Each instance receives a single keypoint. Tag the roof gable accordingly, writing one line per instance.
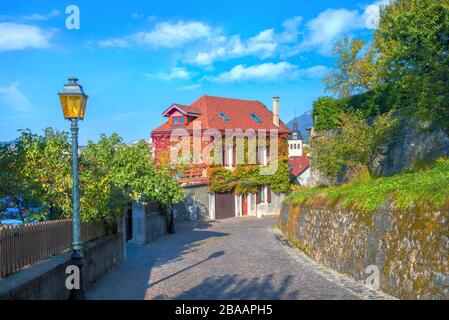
(185, 110)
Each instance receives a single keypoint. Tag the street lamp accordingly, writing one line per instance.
(73, 102)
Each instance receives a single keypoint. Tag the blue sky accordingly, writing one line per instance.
(135, 58)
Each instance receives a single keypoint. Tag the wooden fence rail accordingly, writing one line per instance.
(26, 244)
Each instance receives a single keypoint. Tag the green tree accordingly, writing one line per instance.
(355, 68)
(113, 173)
(326, 112)
(45, 166)
(412, 43)
(354, 144)
(11, 185)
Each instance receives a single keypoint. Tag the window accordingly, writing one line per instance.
(229, 157)
(223, 116)
(255, 118)
(262, 194)
(263, 156)
(178, 120)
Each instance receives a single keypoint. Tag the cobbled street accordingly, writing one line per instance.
(236, 258)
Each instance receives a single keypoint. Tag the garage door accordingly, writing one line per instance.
(224, 205)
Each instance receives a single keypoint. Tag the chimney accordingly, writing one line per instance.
(276, 111)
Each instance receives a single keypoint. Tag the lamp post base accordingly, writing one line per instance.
(77, 260)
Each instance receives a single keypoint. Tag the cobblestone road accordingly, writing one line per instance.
(237, 258)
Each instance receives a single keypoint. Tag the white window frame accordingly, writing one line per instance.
(263, 156)
(212, 206)
(229, 156)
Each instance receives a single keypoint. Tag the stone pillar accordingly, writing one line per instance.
(138, 223)
(121, 228)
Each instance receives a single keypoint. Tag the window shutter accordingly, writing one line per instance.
(268, 194)
(258, 196)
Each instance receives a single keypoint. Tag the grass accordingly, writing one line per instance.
(426, 189)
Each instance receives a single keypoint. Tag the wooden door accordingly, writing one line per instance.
(224, 205)
(244, 204)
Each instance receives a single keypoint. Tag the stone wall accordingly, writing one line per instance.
(148, 222)
(195, 206)
(45, 280)
(410, 248)
(410, 148)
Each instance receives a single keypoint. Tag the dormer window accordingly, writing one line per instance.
(177, 120)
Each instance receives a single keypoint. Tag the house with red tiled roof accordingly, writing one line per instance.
(298, 162)
(299, 170)
(218, 115)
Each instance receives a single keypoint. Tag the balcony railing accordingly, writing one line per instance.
(192, 173)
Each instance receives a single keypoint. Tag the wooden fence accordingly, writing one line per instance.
(24, 245)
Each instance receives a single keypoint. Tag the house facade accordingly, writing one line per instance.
(212, 119)
(298, 162)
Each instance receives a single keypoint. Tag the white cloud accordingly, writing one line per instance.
(175, 73)
(12, 99)
(268, 72)
(42, 17)
(259, 72)
(191, 87)
(327, 27)
(315, 72)
(115, 42)
(331, 24)
(14, 36)
(265, 44)
(371, 14)
(208, 44)
(164, 35)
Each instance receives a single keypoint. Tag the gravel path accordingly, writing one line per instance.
(237, 258)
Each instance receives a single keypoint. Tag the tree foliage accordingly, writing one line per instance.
(405, 68)
(412, 43)
(111, 174)
(44, 163)
(355, 143)
(354, 71)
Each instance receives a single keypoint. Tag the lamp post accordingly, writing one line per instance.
(73, 102)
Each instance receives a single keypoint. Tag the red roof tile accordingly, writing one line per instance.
(238, 112)
(298, 165)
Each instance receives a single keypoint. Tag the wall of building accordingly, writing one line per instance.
(195, 206)
(295, 148)
(304, 179)
(409, 248)
(272, 208)
(45, 280)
